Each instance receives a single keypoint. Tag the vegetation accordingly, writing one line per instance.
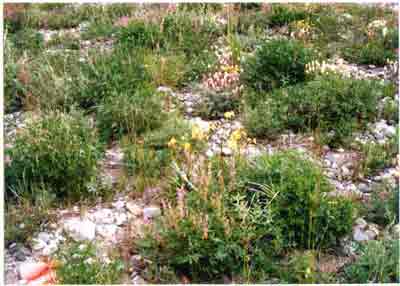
(329, 104)
(195, 109)
(276, 63)
(58, 152)
(79, 265)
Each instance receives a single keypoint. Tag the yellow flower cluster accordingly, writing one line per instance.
(229, 114)
(197, 135)
(230, 69)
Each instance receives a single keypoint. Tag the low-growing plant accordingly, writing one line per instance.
(58, 152)
(215, 104)
(146, 162)
(173, 127)
(276, 63)
(295, 190)
(376, 157)
(189, 33)
(80, 265)
(282, 15)
(206, 236)
(66, 41)
(131, 114)
(13, 87)
(166, 69)
(28, 40)
(20, 227)
(371, 53)
(140, 34)
(378, 263)
(106, 75)
(383, 206)
(329, 104)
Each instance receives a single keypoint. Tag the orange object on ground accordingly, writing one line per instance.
(38, 273)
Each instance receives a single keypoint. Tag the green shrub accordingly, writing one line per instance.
(13, 88)
(166, 69)
(106, 75)
(378, 263)
(376, 157)
(282, 15)
(58, 152)
(295, 189)
(215, 104)
(65, 41)
(172, 127)
(329, 104)
(199, 65)
(28, 40)
(371, 53)
(21, 228)
(383, 207)
(256, 21)
(79, 265)
(139, 34)
(131, 114)
(390, 111)
(206, 236)
(276, 63)
(189, 33)
(52, 82)
(146, 162)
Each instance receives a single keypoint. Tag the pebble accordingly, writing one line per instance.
(151, 212)
(80, 229)
(135, 209)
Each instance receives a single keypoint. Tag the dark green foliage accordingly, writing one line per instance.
(329, 104)
(295, 190)
(282, 15)
(58, 152)
(131, 114)
(79, 265)
(276, 63)
(215, 104)
(378, 263)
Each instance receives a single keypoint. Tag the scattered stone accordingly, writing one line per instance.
(361, 223)
(80, 229)
(360, 235)
(135, 209)
(107, 231)
(396, 231)
(226, 151)
(151, 212)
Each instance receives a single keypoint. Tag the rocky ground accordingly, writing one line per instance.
(110, 223)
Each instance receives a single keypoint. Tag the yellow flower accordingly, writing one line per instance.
(187, 147)
(172, 143)
(229, 114)
(197, 134)
(232, 144)
(236, 135)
